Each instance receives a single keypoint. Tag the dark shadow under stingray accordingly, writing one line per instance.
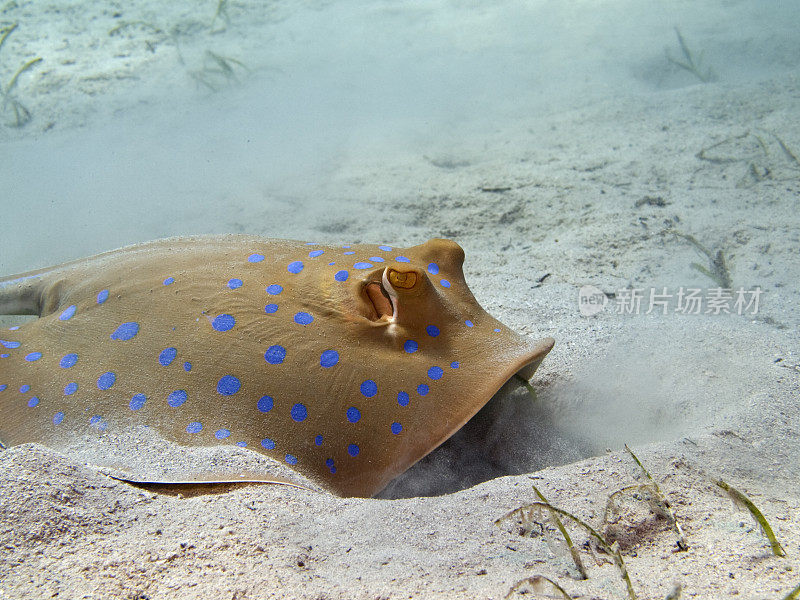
(514, 433)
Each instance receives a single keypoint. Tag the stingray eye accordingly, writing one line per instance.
(402, 280)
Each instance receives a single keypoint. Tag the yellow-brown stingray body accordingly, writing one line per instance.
(348, 380)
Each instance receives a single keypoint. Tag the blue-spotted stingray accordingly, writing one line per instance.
(346, 363)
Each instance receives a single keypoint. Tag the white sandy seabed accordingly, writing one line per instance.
(562, 148)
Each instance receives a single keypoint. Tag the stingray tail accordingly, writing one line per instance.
(22, 294)
(39, 292)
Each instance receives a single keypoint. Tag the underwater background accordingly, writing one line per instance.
(148, 119)
(579, 151)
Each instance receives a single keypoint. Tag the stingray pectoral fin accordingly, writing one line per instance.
(211, 479)
(534, 357)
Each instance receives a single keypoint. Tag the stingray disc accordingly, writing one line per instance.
(346, 363)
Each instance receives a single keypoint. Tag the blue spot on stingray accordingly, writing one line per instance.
(241, 444)
(362, 265)
(376, 258)
(291, 459)
(167, 356)
(274, 289)
(14, 328)
(303, 318)
(187, 366)
(194, 427)
(10, 345)
(349, 252)
(4, 355)
(329, 462)
(402, 259)
(106, 380)
(223, 322)
(102, 296)
(328, 358)
(68, 360)
(396, 428)
(295, 267)
(57, 418)
(268, 444)
(126, 331)
(403, 398)
(341, 275)
(423, 389)
(221, 434)
(316, 253)
(496, 330)
(299, 412)
(445, 283)
(3, 387)
(176, 398)
(433, 268)
(33, 402)
(137, 401)
(331, 263)
(318, 440)
(24, 389)
(265, 403)
(469, 323)
(275, 355)
(385, 248)
(70, 388)
(235, 283)
(454, 365)
(255, 258)
(270, 308)
(353, 414)
(432, 330)
(435, 373)
(33, 356)
(169, 280)
(353, 450)
(228, 385)
(369, 388)
(95, 420)
(68, 312)
(410, 346)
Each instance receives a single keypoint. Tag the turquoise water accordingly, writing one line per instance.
(149, 120)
